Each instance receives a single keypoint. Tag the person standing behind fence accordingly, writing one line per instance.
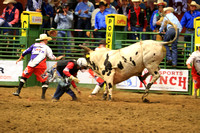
(84, 10)
(47, 12)
(34, 5)
(158, 17)
(194, 59)
(37, 63)
(100, 20)
(64, 19)
(187, 21)
(110, 8)
(149, 8)
(10, 16)
(137, 20)
(170, 34)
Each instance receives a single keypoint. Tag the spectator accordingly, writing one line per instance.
(137, 20)
(187, 21)
(19, 6)
(149, 8)
(47, 12)
(100, 22)
(68, 69)
(96, 4)
(124, 8)
(64, 21)
(158, 17)
(84, 10)
(194, 59)
(94, 13)
(119, 5)
(37, 64)
(56, 6)
(10, 16)
(170, 34)
(34, 5)
(110, 8)
(180, 6)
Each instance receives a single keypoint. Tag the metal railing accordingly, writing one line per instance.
(12, 43)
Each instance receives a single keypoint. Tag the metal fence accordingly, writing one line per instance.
(12, 44)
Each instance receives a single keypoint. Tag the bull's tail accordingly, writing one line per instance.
(176, 33)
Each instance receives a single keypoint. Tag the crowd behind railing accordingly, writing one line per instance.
(142, 16)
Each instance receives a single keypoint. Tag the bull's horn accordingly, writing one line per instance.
(87, 50)
(175, 28)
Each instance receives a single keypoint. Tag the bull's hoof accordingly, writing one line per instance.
(104, 96)
(109, 98)
(146, 100)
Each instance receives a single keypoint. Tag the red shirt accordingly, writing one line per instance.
(137, 11)
(16, 17)
(69, 66)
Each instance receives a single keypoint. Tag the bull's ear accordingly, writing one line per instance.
(87, 50)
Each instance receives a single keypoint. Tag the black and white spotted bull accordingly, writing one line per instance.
(115, 66)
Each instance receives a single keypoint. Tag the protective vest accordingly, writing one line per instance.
(10, 17)
(134, 17)
(63, 63)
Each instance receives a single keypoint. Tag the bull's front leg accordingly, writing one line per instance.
(109, 84)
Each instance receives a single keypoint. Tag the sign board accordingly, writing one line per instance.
(170, 80)
(197, 31)
(109, 32)
(120, 20)
(10, 71)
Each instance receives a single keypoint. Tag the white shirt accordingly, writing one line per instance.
(195, 60)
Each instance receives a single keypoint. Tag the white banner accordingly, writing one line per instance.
(170, 80)
(10, 71)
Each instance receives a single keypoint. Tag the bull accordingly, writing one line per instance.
(115, 66)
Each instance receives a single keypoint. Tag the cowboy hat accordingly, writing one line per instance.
(55, 1)
(43, 37)
(9, 1)
(168, 9)
(193, 3)
(52, 30)
(135, 0)
(160, 3)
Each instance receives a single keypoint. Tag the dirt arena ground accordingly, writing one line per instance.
(127, 113)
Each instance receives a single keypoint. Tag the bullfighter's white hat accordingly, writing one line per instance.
(43, 37)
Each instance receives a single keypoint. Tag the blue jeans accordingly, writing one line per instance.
(170, 34)
(61, 90)
(83, 24)
(63, 34)
(4, 23)
(138, 29)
